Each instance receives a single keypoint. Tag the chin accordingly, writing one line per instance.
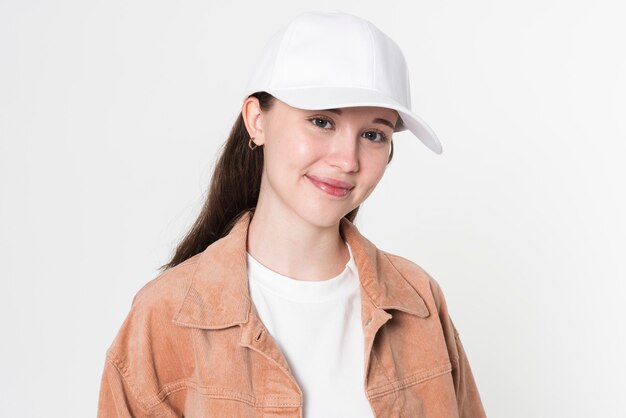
(322, 217)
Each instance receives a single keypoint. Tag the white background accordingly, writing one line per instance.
(112, 112)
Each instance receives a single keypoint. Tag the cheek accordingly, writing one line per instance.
(301, 150)
(307, 149)
(293, 153)
(375, 164)
(372, 169)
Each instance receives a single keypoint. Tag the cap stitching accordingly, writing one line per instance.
(281, 52)
(369, 30)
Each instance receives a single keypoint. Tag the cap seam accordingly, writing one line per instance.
(280, 54)
(369, 31)
(325, 85)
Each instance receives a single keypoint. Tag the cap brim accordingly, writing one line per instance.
(317, 98)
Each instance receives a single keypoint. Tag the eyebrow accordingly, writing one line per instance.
(376, 120)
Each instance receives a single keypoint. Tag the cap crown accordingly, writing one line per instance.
(332, 49)
(332, 59)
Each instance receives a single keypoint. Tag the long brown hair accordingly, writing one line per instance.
(234, 189)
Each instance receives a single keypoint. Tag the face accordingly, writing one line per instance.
(305, 150)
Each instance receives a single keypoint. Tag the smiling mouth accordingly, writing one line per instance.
(329, 189)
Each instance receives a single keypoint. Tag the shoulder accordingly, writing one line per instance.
(416, 275)
(166, 291)
(155, 304)
(139, 370)
(428, 286)
(148, 340)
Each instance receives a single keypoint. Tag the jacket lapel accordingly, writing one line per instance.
(218, 295)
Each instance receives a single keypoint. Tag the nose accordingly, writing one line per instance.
(344, 151)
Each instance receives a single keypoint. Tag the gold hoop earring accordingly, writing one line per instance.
(250, 144)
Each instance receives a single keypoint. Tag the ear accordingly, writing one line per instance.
(253, 119)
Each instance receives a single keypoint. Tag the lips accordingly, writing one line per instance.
(337, 191)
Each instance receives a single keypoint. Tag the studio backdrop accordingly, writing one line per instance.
(112, 115)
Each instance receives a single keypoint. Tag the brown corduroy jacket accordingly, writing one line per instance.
(193, 345)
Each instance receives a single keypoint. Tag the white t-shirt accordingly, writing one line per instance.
(317, 325)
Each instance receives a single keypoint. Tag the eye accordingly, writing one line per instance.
(321, 122)
(383, 137)
(320, 125)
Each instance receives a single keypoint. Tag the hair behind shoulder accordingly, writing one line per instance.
(233, 190)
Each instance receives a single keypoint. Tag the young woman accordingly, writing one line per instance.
(274, 304)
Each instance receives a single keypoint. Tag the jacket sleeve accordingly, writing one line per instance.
(116, 395)
(143, 365)
(468, 398)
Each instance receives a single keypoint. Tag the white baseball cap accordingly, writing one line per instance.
(331, 59)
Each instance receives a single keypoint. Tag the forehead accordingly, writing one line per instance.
(365, 111)
(382, 115)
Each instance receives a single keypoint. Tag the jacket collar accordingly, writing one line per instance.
(218, 295)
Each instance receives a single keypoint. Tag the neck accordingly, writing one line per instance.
(294, 247)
